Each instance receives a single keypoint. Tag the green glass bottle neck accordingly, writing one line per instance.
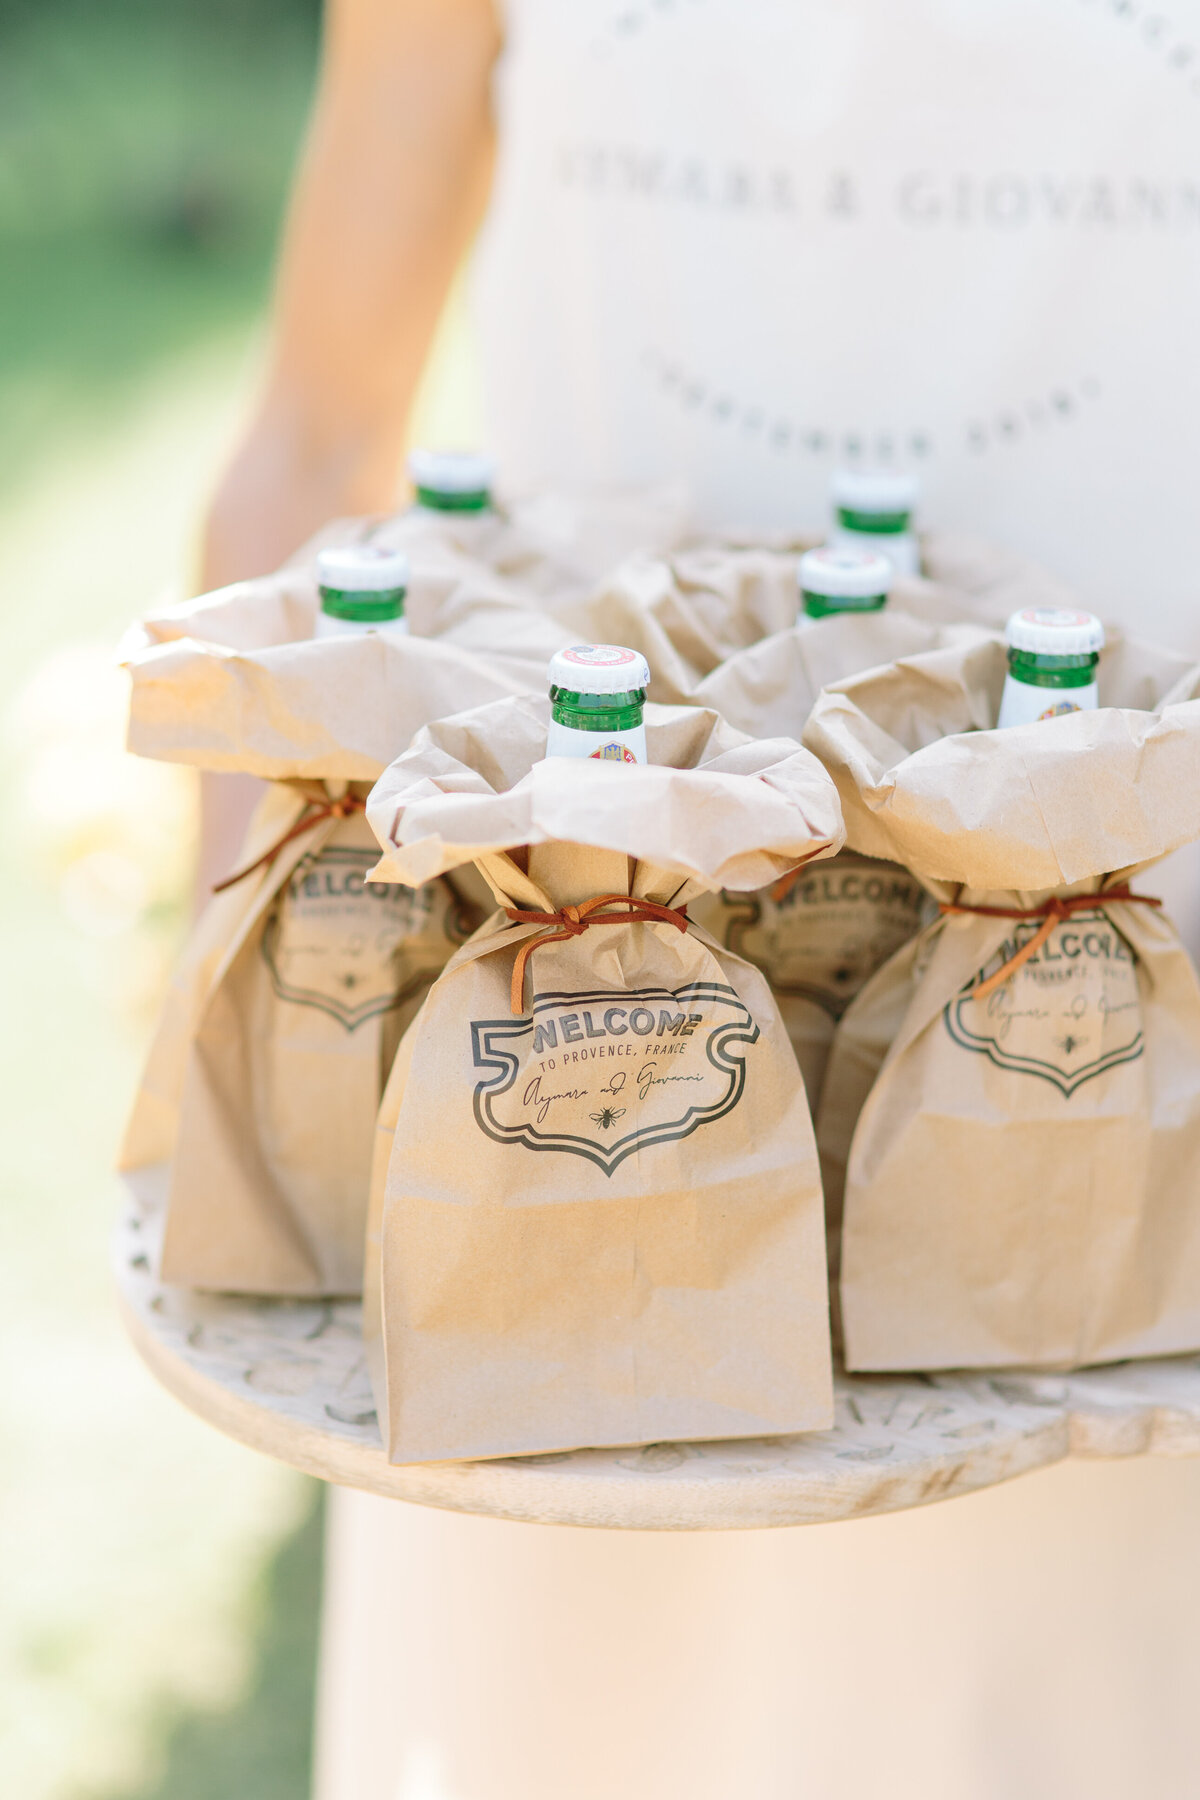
(1036, 669)
(878, 524)
(824, 606)
(597, 712)
(437, 500)
(369, 608)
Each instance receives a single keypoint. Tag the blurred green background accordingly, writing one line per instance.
(160, 1585)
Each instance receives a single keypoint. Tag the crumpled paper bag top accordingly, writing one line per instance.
(558, 540)
(987, 580)
(925, 780)
(771, 687)
(550, 544)
(689, 612)
(235, 680)
(713, 805)
(451, 596)
(330, 709)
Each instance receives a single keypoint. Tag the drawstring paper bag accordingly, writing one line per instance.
(264, 1078)
(1017, 1091)
(596, 1214)
(820, 932)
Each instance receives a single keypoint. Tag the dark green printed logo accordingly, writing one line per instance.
(829, 933)
(349, 948)
(604, 1075)
(1070, 1013)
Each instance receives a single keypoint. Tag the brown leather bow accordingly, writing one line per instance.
(314, 813)
(1051, 912)
(573, 921)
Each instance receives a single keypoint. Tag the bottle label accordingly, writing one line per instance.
(598, 746)
(1024, 703)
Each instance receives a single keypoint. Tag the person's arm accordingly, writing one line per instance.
(391, 186)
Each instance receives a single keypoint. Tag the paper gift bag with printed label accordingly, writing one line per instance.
(265, 1074)
(819, 933)
(597, 1219)
(287, 1062)
(1018, 1089)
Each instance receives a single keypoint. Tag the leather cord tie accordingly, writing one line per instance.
(1051, 912)
(573, 921)
(315, 813)
(783, 887)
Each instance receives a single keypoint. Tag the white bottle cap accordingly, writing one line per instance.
(451, 471)
(875, 490)
(1054, 631)
(845, 574)
(362, 568)
(599, 669)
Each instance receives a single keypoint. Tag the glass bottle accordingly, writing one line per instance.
(597, 693)
(452, 481)
(1052, 656)
(834, 580)
(873, 510)
(362, 588)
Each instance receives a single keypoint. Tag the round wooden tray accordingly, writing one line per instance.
(289, 1378)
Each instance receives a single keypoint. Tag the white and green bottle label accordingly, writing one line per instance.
(1045, 687)
(601, 743)
(349, 612)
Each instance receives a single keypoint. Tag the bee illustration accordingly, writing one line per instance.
(1068, 1043)
(608, 1117)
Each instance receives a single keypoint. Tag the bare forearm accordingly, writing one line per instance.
(390, 189)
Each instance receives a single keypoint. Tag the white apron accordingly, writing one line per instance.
(743, 241)
(736, 240)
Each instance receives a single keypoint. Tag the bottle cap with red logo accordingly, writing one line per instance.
(1054, 631)
(599, 669)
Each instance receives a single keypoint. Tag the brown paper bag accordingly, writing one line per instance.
(264, 1078)
(552, 543)
(286, 1062)
(689, 612)
(596, 1209)
(818, 935)
(235, 680)
(1021, 1177)
(481, 580)
(686, 614)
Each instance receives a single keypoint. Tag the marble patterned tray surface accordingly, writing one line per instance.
(289, 1378)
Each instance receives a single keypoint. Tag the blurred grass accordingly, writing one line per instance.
(254, 1749)
(160, 1585)
(144, 149)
